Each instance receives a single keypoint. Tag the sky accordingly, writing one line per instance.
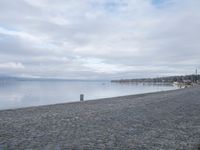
(99, 39)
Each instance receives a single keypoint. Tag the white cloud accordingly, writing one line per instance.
(115, 38)
(11, 65)
(21, 35)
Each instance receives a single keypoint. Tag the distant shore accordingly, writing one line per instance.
(162, 120)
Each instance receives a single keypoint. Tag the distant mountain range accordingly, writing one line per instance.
(169, 79)
(14, 78)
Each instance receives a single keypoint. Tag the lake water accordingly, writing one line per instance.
(17, 94)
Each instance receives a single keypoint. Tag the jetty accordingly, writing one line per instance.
(163, 120)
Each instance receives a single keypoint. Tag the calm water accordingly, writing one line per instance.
(16, 94)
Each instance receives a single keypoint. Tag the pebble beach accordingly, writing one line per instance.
(166, 120)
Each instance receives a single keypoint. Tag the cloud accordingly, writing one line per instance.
(102, 39)
(12, 65)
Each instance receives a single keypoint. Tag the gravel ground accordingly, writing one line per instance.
(155, 121)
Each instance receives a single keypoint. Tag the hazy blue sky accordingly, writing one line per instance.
(99, 39)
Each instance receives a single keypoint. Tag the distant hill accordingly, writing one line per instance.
(15, 78)
(9, 78)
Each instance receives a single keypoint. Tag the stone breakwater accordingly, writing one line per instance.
(164, 120)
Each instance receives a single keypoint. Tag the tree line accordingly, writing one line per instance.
(170, 79)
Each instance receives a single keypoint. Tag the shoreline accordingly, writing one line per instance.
(158, 120)
(98, 99)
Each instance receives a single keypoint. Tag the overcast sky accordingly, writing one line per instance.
(99, 39)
